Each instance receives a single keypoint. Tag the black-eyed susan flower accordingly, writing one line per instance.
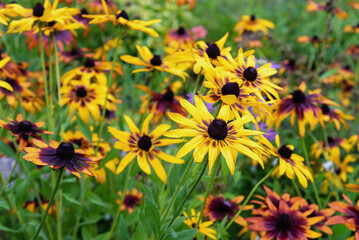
(328, 7)
(304, 107)
(23, 129)
(77, 139)
(217, 208)
(289, 163)
(131, 200)
(32, 103)
(254, 78)
(101, 52)
(74, 53)
(19, 86)
(4, 84)
(284, 222)
(350, 217)
(214, 135)
(40, 13)
(84, 98)
(92, 71)
(122, 18)
(191, 3)
(58, 155)
(334, 144)
(353, 50)
(315, 40)
(253, 24)
(143, 145)
(33, 206)
(203, 227)
(153, 62)
(351, 28)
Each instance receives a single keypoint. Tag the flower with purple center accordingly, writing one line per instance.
(131, 200)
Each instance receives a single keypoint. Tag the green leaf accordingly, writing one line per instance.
(180, 197)
(328, 73)
(69, 198)
(152, 217)
(183, 235)
(140, 232)
(6, 229)
(237, 176)
(90, 220)
(7, 150)
(97, 200)
(21, 191)
(84, 128)
(85, 233)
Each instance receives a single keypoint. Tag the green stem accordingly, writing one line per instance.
(197, 82)
(12, 171)
(310, 169)
(58, 83)
(81, 208)
(179, 186)
(205, 164)
(209, 187)
(247, 199)
(61, 171)
(47, 96)
(115, 220)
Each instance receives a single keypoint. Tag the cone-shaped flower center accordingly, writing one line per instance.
(123, 14)
(285, 151)
(25, 126)
(217, 129)
(213, 51)
(51, 24)
(315, 38)
(84, 11)
(168, 96)
(253, 17)
(130, 201)
(298, 96)
(223, 207)
(89, 63)
(156, 60)
(291, 62)
(283, 222)
(331, 141)
(65, 150)
(38, 10)
(10, 81)
(74, 51)
(231, 88)
(181, 31)
(325, 109)
(81, 92)
(250, 74)
(145, 143)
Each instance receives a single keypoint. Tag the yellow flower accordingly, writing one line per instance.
(4, 84)
(191, 221)
(122, 18)
(143, 145)
(214, 135)
(253, 24)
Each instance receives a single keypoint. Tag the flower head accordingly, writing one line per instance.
(253, 24)
(203, 227)
(131, 200)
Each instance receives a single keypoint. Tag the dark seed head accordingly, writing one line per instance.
(338, 170)
(84, 11)
(193, 225)
(123, 14)
(81, 92)
(331, 141)
(130, 201)
(156, 60)
(250, 74)
(253, 17)
(213, 51)
(298, 96)
(10, 81)
(74, 51)
(231, 88)
(25, 126)
(217, 129)
(181, 31)
(325, 109)
(38, 10)
(89, 63)
(315, 38)
(51, 24)
(145, 143)
(223, 207)
(65, 151)
(285, 152)
(168, 96)
(283, 222)
(291, 62)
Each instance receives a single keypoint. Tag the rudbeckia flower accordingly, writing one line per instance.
(132, 199)
(20, 86)
(78, 139)
(353, 50)
(32, 206)
(143, 145)
(85, 98)
(58, 155)
(32, 103)
(74, 53)
(122, 18)
(335, 115)
(92, 70)
(334, 144)
(303, 106)
(351, 28)
(4, 84)
(153, 62)
(23, 129)
(214, 135)
(289, 163)
(307, 39)
(40, 13)
(203, 227)
(253, 24)
(328, 7)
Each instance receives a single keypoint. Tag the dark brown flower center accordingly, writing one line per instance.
(84, 11)
(81, 92)
(331, 141)
(291, 62)
(168, 96)
(145, 143)
(181, 31)
(25, 126)
(315, 38)
(130, 201)
(51, 24)
(325, 109)
(156, 60)
(89, 63)
(283, 222)
(193, 225)
(74, 51)
(213, 51)
(217, 129)
(298, 96)
(123, 14)
(38, 10)
(231, 88)
(285, 151)
(65, 151)
(223, 207)
(10, 81)
(253, 17)
(250, 74)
